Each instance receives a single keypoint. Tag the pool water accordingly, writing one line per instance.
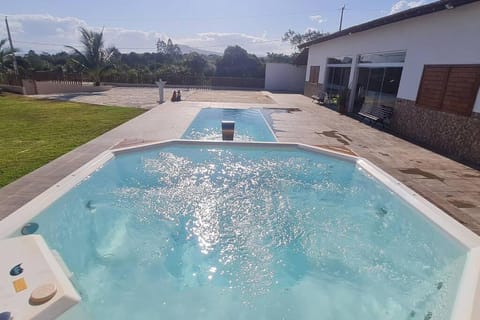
(250, 125)
(236, 232)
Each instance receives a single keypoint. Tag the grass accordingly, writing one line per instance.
(34, 132)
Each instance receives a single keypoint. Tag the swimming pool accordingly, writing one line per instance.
(250, 125)
(206, 230)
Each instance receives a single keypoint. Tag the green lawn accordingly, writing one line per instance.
(33, 132)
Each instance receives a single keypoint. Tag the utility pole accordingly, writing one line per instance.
(15, 68)
(341, 18)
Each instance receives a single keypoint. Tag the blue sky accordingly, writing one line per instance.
(212, 25)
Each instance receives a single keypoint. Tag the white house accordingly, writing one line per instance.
(424, 62)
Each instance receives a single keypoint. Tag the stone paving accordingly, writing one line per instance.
(147, 98)
(453, 187)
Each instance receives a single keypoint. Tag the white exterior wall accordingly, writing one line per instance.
(446, 37)
(284, 77)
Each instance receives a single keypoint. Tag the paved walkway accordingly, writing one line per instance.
(147, 98)
(451, 186)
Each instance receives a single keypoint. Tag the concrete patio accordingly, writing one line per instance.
(453, 187)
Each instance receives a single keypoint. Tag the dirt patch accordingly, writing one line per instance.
(343, 139)
(422, 173)
(462, 204)
(340, 149)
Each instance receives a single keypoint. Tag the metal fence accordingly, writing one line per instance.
(137, 78)
(63, 77)
(11, 79)
(204, 82)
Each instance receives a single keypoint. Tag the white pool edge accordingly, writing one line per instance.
(28, 211)
(468, 292)
(267, 124)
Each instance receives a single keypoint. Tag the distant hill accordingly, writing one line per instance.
(188, 49)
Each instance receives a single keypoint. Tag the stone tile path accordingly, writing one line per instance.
(450, 185)
(147, 98)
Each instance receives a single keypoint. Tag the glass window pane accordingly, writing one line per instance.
(382, 57)
(339, 60)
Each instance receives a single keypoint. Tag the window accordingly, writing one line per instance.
(449, 88)
(314, 74)
(377, 86)
(386, 57)
(339, 60)
(337, 79)
(337, 74)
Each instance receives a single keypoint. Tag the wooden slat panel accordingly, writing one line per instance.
(461, 90)
(430, 93)
(449, 88)
(314, 73)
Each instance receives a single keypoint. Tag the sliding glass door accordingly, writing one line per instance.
(377, 86)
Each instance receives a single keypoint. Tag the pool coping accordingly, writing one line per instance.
(469, 286)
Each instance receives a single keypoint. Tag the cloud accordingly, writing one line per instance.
(51, 34)
(317, 19)
(404, 5)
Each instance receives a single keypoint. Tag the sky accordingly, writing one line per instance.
(256, 25)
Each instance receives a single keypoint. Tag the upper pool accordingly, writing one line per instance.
(250, 125)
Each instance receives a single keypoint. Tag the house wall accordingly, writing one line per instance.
(52, 87)
(284, 77)
(445, 37)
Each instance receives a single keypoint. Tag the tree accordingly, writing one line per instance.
(278, 57)
(94, 58)
(296, 38)
(197, 64)
(169, 49)
(236, 62)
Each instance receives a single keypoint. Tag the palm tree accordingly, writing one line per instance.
(5, 56)
(94, 58)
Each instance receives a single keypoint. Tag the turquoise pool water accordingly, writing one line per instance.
(250, 125)
(235, 232)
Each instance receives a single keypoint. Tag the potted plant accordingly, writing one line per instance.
(342, 101)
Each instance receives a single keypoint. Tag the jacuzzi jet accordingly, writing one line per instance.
(382, 212)
(90, 206)
(228, 129)
(29, 228)
(439, 285)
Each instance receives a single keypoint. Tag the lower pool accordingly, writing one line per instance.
(233, 231)
(250, 125)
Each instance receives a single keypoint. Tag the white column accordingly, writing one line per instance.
(353, 83)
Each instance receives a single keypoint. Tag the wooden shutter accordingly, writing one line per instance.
(432, 86)
(461, 90)
(314, 74)
(449, 88)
